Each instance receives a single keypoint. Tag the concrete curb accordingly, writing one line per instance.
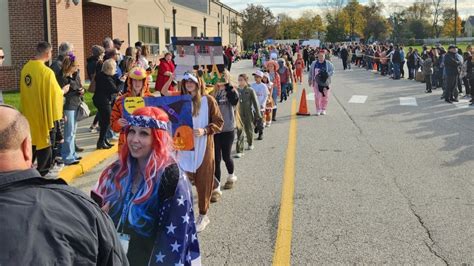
(69, 173)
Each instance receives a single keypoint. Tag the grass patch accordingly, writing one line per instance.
(13, 98)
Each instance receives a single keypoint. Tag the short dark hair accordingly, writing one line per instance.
(42, 48)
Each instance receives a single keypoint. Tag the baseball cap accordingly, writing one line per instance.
(258, 73)
(118, 41)
(451, 47)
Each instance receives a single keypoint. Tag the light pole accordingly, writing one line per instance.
(455, 20)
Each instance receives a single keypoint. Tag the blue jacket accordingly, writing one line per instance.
(329, 69)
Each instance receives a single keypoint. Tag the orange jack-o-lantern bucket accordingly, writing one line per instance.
(183, 138)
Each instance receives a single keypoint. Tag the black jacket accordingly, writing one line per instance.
(105, 88)
(46, 222)
(73, 98)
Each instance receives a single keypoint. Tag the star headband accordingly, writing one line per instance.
(146, 121)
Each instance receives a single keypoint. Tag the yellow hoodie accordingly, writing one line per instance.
(41, 101)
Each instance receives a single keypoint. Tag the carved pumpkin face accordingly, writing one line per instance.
(184, 138)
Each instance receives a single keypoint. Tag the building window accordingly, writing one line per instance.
(167, 36)
(194, 32)
(151, 36)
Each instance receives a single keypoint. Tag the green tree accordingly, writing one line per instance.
(355, 19)
(258, 23)
(335, 30)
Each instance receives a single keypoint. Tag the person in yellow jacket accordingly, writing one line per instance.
(42, 105)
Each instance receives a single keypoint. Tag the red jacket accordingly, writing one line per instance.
(161, 79)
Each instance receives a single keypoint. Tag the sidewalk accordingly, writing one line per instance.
(90, 156)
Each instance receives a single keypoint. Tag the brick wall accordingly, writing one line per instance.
(97, 24)
(120, 26)
(26, 30)
(68, 27)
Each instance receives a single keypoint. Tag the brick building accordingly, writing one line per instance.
(23, 23)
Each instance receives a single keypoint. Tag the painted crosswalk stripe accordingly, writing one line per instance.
(358, 99)
(408, 101)
(310, 96)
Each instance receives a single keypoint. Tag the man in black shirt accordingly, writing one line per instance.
(46, 222)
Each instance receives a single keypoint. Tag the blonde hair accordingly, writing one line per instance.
(246, 78)
(109, 67)
(68, 65)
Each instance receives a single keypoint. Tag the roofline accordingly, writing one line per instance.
(227, 7)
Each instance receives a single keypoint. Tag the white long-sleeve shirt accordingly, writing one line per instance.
(262, 94)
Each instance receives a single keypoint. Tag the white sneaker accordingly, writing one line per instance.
(201, 222)
(216, 194)
(317, 113)
(238, 155)
(231, 179)
(323, 113)
(268, 125)
(251, 147)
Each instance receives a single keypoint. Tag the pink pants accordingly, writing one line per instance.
(320, 101)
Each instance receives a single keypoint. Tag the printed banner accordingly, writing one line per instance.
(179, 110)
(197, 53)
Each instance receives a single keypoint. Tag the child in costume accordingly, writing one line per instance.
(137, 87)
(249, 112)
(147, 197)
(269, 106)
(199, 164)
(272, 68)
(261, 91)
(299, 66)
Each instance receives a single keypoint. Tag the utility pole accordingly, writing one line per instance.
(455, 20)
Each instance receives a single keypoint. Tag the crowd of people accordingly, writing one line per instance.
(449, 69)
(143, 208)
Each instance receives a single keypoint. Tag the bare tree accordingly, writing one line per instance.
(438, 9)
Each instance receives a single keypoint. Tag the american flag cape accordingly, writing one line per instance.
(177, 242)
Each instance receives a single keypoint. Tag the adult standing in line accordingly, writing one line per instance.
(427, 63)
(451, 65)
(52, 222)
(42, 105)
(64, 49)
(344, 55)
(94, 64)
(306, 58)
(230, 55)
(118, 45)
(227, 99)
(70, 76)
(396, 60)
(466, 73)
(248, 103)
(319, 78)
(402, 62)
(410, 57)
(165, 72)
(106, 88)
(199, 164)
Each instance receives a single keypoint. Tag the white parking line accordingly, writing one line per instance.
(358, 99)
(408, 101)
(310, 96)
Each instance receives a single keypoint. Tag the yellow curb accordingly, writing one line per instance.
(69, 173)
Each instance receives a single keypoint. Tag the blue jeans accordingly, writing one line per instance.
(68, 149)
(284, 90)
(275, 96)
(396, 70)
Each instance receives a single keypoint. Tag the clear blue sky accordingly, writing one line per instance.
(295, 7)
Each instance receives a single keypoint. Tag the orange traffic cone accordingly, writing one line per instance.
(303, 105)
(375, 67)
